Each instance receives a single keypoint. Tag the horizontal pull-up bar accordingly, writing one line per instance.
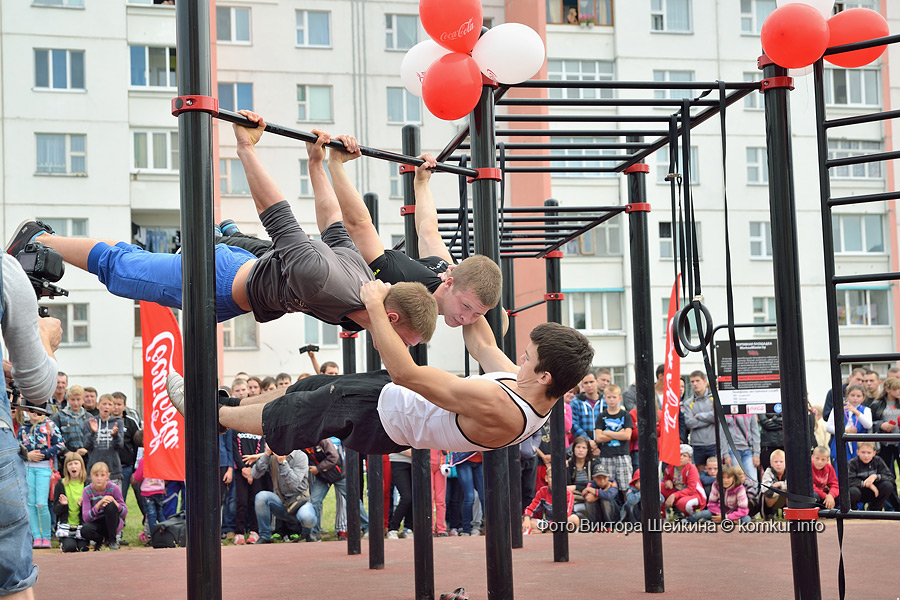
(571, 146)
(861, 159)
(239, 119)
(544, 209)
(864, 198)
(579, 132)
(618, 169)
(862, 45)
(660, 102)
(582, 119)
(638, 85)
(860, 119)
(558, 157)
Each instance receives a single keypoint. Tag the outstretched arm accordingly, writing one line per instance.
(430, 242)
(262, 187)
(356, 216)
(327, 209)
(482, 346)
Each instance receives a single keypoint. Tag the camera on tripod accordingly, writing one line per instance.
(44, 267)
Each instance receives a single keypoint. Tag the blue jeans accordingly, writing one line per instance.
(745, 461)
(706, 515)
(127, 472)
(38, 479)
(17, 570)
(268, 505)
(469, 475)
(131, 272)
(312, 521)
(154, 506)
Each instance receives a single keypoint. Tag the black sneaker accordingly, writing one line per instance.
(25, 233)
(227, 227)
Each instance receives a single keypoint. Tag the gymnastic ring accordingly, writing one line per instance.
(676, 340)
(683, 326)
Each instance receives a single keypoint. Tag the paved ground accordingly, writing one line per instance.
(750, 565)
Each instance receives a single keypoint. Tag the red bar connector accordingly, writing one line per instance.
(638, 168)
(554, 297)
(409, 209)
(206, 104)
(637, 207)
(487, 173)
(774, 83)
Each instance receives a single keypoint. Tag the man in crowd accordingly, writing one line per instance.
(872, 385)
(700, 419)
(586, 407)
(90, 401)
(283, 380)
(290, 490)
(58, 401)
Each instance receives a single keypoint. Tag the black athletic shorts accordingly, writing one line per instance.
(394, 266)
(321, 406)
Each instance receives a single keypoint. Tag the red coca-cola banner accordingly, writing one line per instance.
(669, 440)
(163, 425)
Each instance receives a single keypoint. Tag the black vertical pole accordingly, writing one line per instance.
(513, 458)
(788, 315)
(374, 466)
(648, 457)
(204, 558)
(351, 460)
(487, 242)
(423, 546)
(557, 418)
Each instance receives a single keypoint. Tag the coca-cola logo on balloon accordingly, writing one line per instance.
(464, 29)
(163, 424)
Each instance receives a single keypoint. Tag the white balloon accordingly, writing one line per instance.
(510, 53)
(417, 61)
(797, 73)
(823, 6)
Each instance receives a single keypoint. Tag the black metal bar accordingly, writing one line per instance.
(463, 132)
(871, 437)
(865, 358)
(423, 548)
(204, 556)
(648, 457)
(860, 119)
(374, 466)
(865, 277)
(861, 159)
(352, 473)
(637, 85)
(836, 513)
(785, 264)
(891, 39)
(514, 311)
(579, 132)
(582, 118)
(513, 457)
(558, 157)
(864, 198)
(507, 210)
(239, 119)
(655, 102)
(570, 146)
(496, 476)
(557, 419)
(616, 169)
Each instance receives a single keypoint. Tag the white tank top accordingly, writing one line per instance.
(411, 420)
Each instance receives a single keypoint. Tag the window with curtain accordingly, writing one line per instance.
(401, 31)
(233, 24)
(61, 154)
(858, 234)
(754, 13)
(313, 28)
(580, 70)
(403, 107)
(670, 16)
(314, 103)
(58, 69)
(235, 96)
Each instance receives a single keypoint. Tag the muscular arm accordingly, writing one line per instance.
(356, 216)
(430, 242)
(482, 346)
(263, 188)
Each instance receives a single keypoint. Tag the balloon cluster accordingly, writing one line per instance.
(446, 70)
(797, 33)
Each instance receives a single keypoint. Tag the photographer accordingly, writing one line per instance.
(31, 343)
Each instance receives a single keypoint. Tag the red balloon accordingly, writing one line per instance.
(454, 24)
(856, 25)
(794, 35)
(452, 86)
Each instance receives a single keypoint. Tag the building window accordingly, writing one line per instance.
(692, 319)
(153, 67)
(394, 175)
(233, 24)
(583, 163)
(66, 227)
(673, 76)
(841, 5)
(313, 28)
(60, 3)
(845, 148)
(603, 240)
(670, 16)
(317, 332)
(760, 239)
(669, 247)
(852, 87)
(662, 165)
(757, 166)
(580, 70)
(596, 312)
(74, 321)
(232, 179)
(752, 101)
(236, 96)
(159, 239)
(558, 11)
(401, 31)
(858, 234)
(764, 312)
(314, 103)
(240, 333)
(403, 107)
(305, 183)
(156, 150)
(59, 69)
(754, 13)
(60, 153)
(863, 307)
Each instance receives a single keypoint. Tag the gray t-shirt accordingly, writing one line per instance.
(320, 278)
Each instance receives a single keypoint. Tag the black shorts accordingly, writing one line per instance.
(321, 406)
(394, 266)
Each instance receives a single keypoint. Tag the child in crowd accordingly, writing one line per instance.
(870, 480)
(751, 488)
(438, 493)
(68, 514)
(681, 488)
(43, 440)
(734, 506)
(154, 493)
(631, 511)
(102, 508)
(825, 481)
(774, 479)
(603, 491)
(612, 433)
(709, 473)
(104, 436)
(541, 508)
(857, 419)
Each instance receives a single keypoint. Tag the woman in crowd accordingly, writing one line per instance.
(885, 416)
(578, 474)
